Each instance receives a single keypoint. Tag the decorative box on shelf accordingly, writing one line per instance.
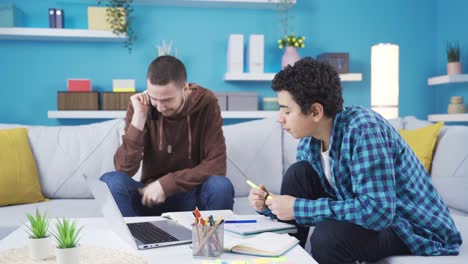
(115, 100)
(78, 101)
(339, 61)
(242, 101)
(10, 16)
(222, 101)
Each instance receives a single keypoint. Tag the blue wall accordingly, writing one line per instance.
(31, 72)
(451, 26)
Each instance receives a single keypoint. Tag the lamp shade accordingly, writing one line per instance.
(385, 79)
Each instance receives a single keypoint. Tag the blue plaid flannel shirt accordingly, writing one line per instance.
(379, 183)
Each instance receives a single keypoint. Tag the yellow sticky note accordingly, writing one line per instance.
(262, 261)
(280, 259)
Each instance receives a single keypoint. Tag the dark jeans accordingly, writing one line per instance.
(215, 193)
(334, 241)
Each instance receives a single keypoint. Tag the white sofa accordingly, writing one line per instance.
(259, 150)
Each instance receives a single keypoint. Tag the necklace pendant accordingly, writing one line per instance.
(169, 149)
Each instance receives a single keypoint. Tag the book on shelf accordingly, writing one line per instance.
(265, 244)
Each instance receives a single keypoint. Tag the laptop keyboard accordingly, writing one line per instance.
(149, 233)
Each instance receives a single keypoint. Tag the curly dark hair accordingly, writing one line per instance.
(310, 81)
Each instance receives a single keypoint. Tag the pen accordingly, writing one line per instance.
(239, 221)
(253, 185)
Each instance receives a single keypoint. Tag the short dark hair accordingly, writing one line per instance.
(166, 69)
(310, 81)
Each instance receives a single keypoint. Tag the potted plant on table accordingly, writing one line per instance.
(290, 41)
(39, 242)
(454, 65)
(67, 237)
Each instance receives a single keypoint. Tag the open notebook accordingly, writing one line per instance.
(263, 224)
(186, 218)
(265, 244)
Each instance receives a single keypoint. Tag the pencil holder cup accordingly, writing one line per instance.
(207, 241)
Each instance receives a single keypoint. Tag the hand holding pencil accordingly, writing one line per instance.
(258, 195)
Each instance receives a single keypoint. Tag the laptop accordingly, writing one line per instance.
(142, 235)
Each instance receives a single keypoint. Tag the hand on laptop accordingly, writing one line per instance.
(257, 197)
(152, 194)
(282, 206)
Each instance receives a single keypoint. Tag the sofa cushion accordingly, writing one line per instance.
(64, 153)
(19, 178)
(289, 150)
(450, 167)
(397, 123)
(254, 149)
(422, 141)
(462, 225)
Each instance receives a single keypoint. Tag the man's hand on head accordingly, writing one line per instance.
(152, 194)
(141, 104)
(282, 206)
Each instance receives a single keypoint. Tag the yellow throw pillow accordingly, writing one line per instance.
(422, 142)
(19, 179)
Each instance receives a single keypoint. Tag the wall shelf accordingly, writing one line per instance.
(249, 76)
(448, 117)
(257, 4)
(71, 114)
(446, 79)
(59, 34)
(345, 77)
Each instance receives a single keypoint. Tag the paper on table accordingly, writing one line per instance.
(265, 244)
(187, 219)
(263, 224)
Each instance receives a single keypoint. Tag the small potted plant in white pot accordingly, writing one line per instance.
(454, 65)
(39, 242)
(67, 237)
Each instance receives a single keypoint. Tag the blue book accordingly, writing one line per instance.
(52, 22)
(59, 18)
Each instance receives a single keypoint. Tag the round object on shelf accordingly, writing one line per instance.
(456, 100)
(270, 104)
(456, 108)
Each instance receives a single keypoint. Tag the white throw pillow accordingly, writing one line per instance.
(254, 148)
(450, 167)
(64, 153)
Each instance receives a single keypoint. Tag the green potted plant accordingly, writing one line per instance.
(454, 65)
(67, 237)
(39, 242)
(290, 41)
(119, 16)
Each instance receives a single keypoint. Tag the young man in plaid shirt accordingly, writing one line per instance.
(356, 179)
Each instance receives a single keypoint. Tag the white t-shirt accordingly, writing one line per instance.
(326, 165)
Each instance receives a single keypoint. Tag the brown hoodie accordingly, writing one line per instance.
(179, 151)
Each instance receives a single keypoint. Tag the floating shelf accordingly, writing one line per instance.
(448, 117)
(345, 77)
(249, 76)
(59, 34)
(257, 4)
(121, 114)
(445, 79)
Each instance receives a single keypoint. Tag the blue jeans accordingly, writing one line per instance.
(215, 193)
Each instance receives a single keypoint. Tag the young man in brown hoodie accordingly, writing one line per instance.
(175, 128)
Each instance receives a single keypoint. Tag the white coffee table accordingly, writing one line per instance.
(96, 232)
